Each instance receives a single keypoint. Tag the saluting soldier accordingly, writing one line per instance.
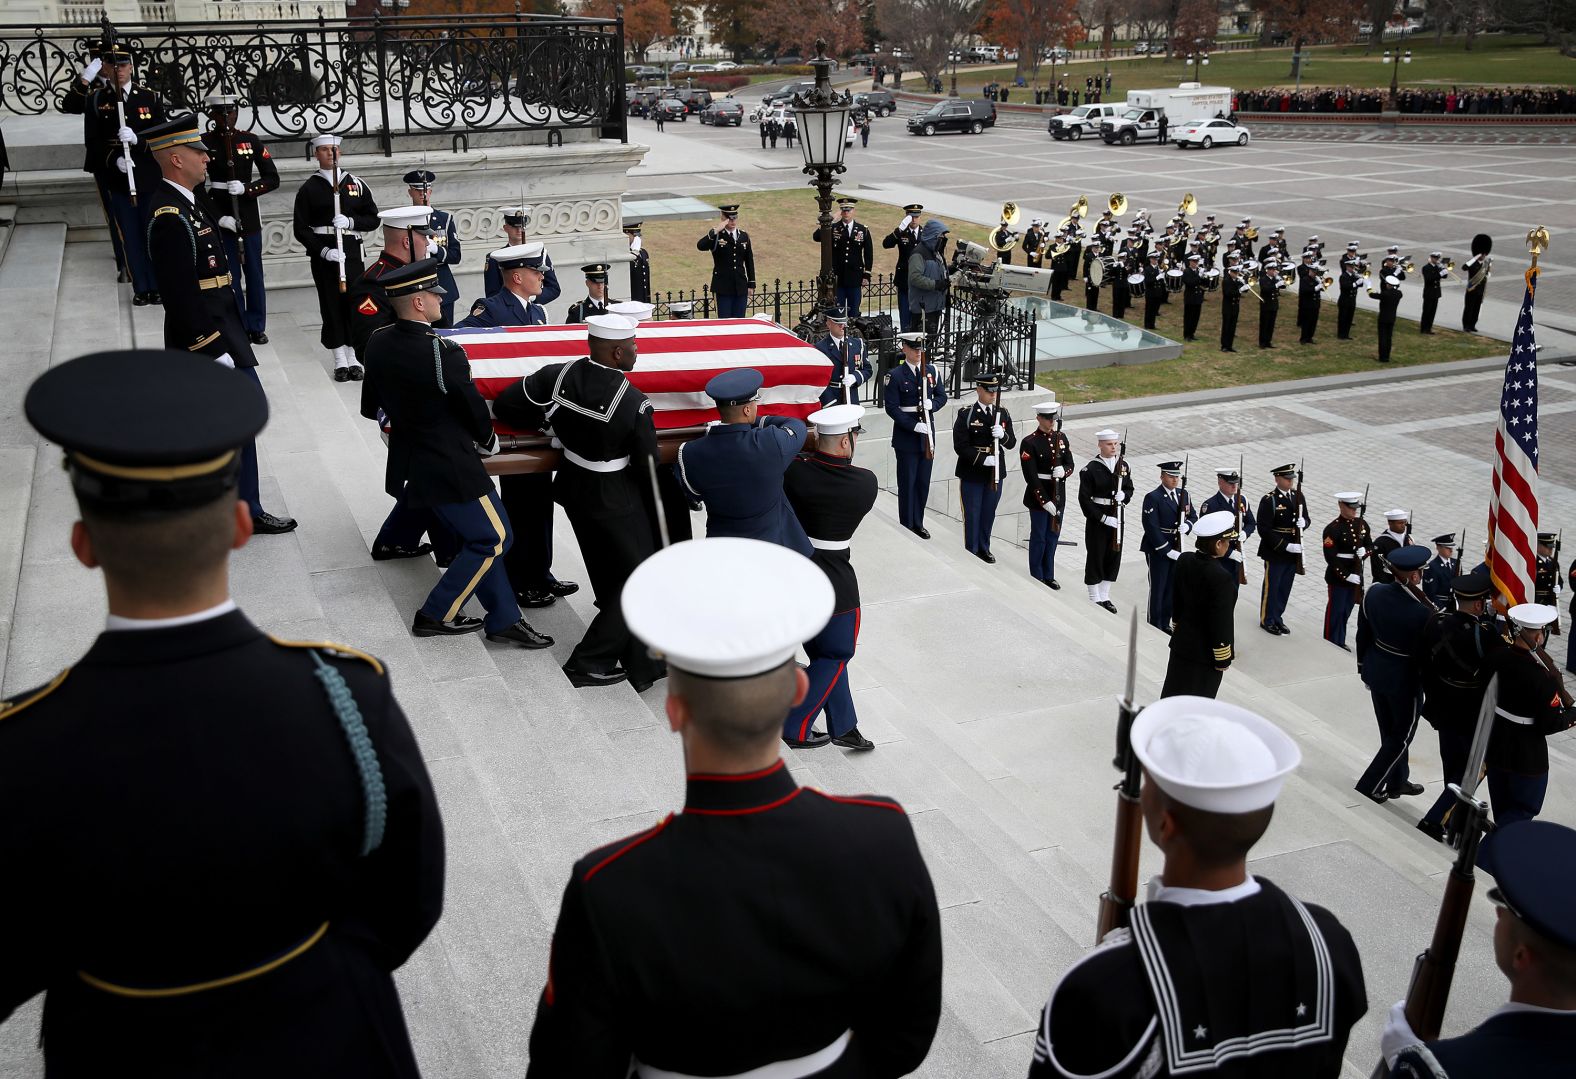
(1389, 631)
(314, 224)
(853, 255)
(1350, 281)
(1546, 585)
(1476, 270)
(1282, 519)
(270, 872)
(1433, 288)
(189, 267)
(1047, 457)
(910, 384)
(903, 238)
(1390, 278)
(848, 372)
(639, 266)
(597, 300)
(1105, 484)
(1347, 542)
(235, 155)
(981, 434)
(444, 239)
(515, 220)
(1168, 516)
(1441, 571)
(1533, 705)
(732, 264)
(1397, 533)
(1228, 496)
(1203, 645)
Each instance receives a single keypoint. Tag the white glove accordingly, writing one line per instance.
(234, 187)
(1235, 556)
(1397, 1034)
(998, 431)
(488, 448)
(1120, 497)
(1352, 578)
(849, 379)
(341, 222)
(1362, 552)
(994, 463)
(908, 219)
(1058, 473)
(1294, 548)
(922, 428)
(90, 72)
(1110, 522)
(1050, 507)
(228, 222)
(1186, 526)
(1303, 524)
(120, 163)
(126, 135)
(333, 254)
(1173, 554)
(225, 361)
(634, 246)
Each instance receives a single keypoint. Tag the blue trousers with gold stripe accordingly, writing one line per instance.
(484, 535)
(1278, 577)
(129, 222)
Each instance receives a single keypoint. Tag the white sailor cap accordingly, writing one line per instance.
(634, 309)
(913, 339)
(221, 101)
(1213, 756)
(1532, 615)
(1396, 515)
(612, 328)
(1048, 408)
(1392, 280)
(1228, 474)
(685, 604)
(1107, 434)
(404, 217)
(1217, 523)
(1352, 245)
(1436, 254)
(837, 419)
(1351, 498)
(1393, 248)
(322, 138)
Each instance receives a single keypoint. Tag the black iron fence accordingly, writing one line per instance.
(389, 79)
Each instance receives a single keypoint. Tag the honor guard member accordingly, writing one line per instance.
(679, 950)
(1349, 282)
(1390, 278)
(1232, 286)
(848, 372)
(1168, 516)
(1476, 270)
(1203, 596)
(405, 240)
(1154, 289)
(269, 872)
(1047, 457)
(981, 435)
(1532, 705)
(1282, 520)
(314, 225)
(1433, 288)
(675, 508)
(830, 495)
(241, 171)
(1308, 293)
(1534, 869)
(737, 467)
(439, 431)
(522, 280)
(1280, 984)
(1397, 533)
(1441, 571)
(515, 220)
(1347, 542)
(444, 240)
(597, 300)
(1105, 485)
(114, 114)
(1389, 633)
(1229, 497)
(1454, 650)
(1270, 285)
(852, 255)
(732, 264)
(1192, 296)
(903, 238)
(911, 383)
(184, 248)
(1546, 585)
(639, 265)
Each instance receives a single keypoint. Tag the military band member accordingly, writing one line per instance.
(1433, 272)
(639, 265)
(269, 875)
(903, 239)
(1231, 292)
(1202, 596)
(681, 948)
(1168, 517)
(597, 300)
(1033, 243)
(1105, 485)
(1092, 254)
(1192, 296)
(1350, 281)
(1475, 271)
(405, 239)
(1389, 629)
(1154, 288)
(850, 372)
(1347, 543)
(190, 271)
(913, 438)
(1279, 986)
(1533, 705)
(232, 186)
(314, 226)
(444, 239)
(1309, 292)
(981, 435)
(1270, 284)
(1397, 533)
(1390, 278)
(830, 495)
(1441, 571)
(1228, 496)
(732, 264)
(1546, 586)
(1047, 457)
(1282, 520)
(1120, 296)
(853, 255)
(515, 220)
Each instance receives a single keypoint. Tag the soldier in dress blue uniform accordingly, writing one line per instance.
(639, 266)
(981, 435)
(1347, 542)
(1168, 516)
(1280, 984)
(737, 468)
(1047, 458)
(444, 240)
(732, 264)
(903, 238)
(914, 394)
(681, 949)
(1204, 643)
(515, 221)
(522, 272)
(1534, 869)
(232, 186)
(849, 373)
(597, 300)
(1397, 533)
(1533, 705)
(831, 495)
(1282, 521)
(1389, 631)
(1105, 485)
(853, 255)
(1229, 497)
(269, 873)
(1441, 572)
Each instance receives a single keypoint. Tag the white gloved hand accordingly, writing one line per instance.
(1303, 524)
(1397, 1034)
(1058, 473)
(1173, 554)
(225, 360)
(1294, 548)
(333, 254)
(998, 431)
(1352, 578)
(922, 428)
(1362, 552)
(908, 219)
(1050, 507)
(1110, 522)
(235, 187)
(341, 222)
(90, 72)
(1235, 556)
(1120, 497)
(228, 222)
(488, 448)
(994, 463)
(849, 379)
(634, 246)
(120, 163)
(1186, 526)
(126, 135)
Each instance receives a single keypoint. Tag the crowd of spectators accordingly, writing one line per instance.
(1457, 101)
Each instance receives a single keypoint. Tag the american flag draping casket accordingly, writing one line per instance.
(677, 359)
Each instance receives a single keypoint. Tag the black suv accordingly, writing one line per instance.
(880, 102)
(782, 96)
(694, 100)
(955, 114)
(722, 112)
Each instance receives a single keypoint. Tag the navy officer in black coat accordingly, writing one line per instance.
(1168, 517)
(1202, 597)
(1441, 572)
(732, 264)
(1389, 627)
(202, 898)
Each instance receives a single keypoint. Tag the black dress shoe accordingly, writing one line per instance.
(920, 531)
(140, 299)
(1283, 627)
(523, 635)
(341, 374)
(266, 524)
(588, 679)
(816, 740)
(1343, 647)
(1406, 789)
(534, 599)
(853, 740)
(154, 297)
(1274, 631)
(1223, 348)
(258, 338)
(426, 626)
(1433, 831)
(562, 588)
(1380, 798)
(356, 372)
(388, 552)
(1055, 584)
(643, 684)
(985, 556)
(1108, 605)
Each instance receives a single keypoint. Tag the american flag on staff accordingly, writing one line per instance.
(676, 361)
(1513, 513)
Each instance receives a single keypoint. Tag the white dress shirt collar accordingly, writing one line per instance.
(121, 622)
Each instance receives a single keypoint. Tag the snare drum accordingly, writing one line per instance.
(1136, 283)
(1173, 280)
(1211, 280)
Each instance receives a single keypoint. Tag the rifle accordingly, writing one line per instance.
(1182, 502)
(1237, 501)
(227, 129)
(995, 445)
(1299, 508)
(1362, 515)
(1116, 903)
(339, 235)
(1121, 470)
(842, 367)
(1059, 491)
(120, 110)
(924, 404)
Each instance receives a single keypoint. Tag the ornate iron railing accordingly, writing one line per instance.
(389, 79)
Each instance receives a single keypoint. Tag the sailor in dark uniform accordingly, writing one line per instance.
(1441, 572)
(732, 264)
(1154, 288)
(639, 265)
(597, 300)
(444, 240)
(1282, 520)
(853, 255)
(1433, 272)
(914, 394)
(1203, 645)
(270, 872)
(903, 238)
(1389, 633)
(680, 950)
(1534, 869)
(189, 267)
(515, 220)
(1192, 296)
(1546, 584)
(1397, 533)
(737, 467)
(314, 225)
(831, 495)
(1347, 542)
(1309, 293)
(982, 434)
(850, 372)
(1091, 255)
(1533, 704)
(1349, 282)
(1105, 486)
(1047, 458)
(232, 186)
(1228, 496)
(1270, 285)
(675, 506)
(1279, 985)
(1168, 517)
(1390, 278)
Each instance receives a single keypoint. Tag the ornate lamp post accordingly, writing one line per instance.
(1395, 60)
(1198, 60)
(821, 114)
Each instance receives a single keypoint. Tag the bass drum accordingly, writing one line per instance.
(1102, 271)
(1136, 284)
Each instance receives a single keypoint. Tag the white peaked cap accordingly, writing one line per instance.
(405, 216)
(726, 608)
(1533, 615)
(1048, 407)
(1349, 497)
(1213, 524)
(1213, 756)
(611, 327)
(1107, 434)
(634, 309)
(837, 419)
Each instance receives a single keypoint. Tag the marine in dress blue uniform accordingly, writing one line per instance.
(1229, 497)
(732, 264)
(913, 389)
(270, 872)
(902, 239)
(444, 242)
(232, 185)
(982, 434)
(853, 373)
(1168, 516)
(852, 255)
(1282, 520)
(1533, 705)
(1204, 643)
(1441, 571)
(1389, 635)
(1346, 543)
(1047, 460)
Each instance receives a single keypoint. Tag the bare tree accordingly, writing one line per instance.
(927, 30)
(1101, 18)
(1307, 22)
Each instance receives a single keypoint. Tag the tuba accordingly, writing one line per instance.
(1117, 204)
(1002, 238)
(1189, 205)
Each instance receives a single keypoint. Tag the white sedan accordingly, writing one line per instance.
(1207, 133)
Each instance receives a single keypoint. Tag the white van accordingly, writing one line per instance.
(1084, 120)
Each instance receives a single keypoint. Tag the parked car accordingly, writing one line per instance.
(671, 108)
(1131, 126)
(1084, 120)
(1059, 54)
(1141, 47)
(1208, 133)
(643, 72)
(696, 69)
(954, 114)
(787, 92)
(786, 61)
(723, 112)
(880, 102)
(679, 68)
(726, 65)
(694, 100)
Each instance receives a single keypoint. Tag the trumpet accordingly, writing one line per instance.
(1252, 234)
(1406, 264)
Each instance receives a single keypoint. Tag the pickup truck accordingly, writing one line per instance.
(1084, 120)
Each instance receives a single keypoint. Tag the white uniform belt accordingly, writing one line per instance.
(1045, 475)
(798, 1068)
(1523, 720)
(829, 545)
(615, 465)
(1344, 554)
(328, 230)
(908, 408)
(1103, 501)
